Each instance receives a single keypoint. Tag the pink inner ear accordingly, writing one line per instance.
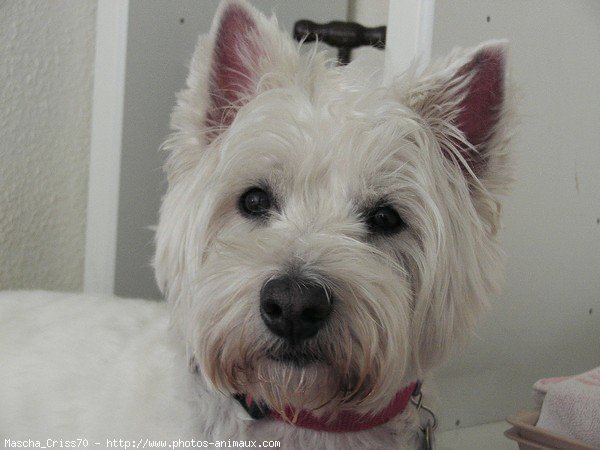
(481, 108)
(234, 55)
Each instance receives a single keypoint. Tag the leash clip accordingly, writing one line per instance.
(431, 424)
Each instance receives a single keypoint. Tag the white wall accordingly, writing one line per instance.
(46, 66)
(547, 321)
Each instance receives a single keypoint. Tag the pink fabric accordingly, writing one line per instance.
(570, 406)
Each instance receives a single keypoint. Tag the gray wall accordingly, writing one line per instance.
(159, 47)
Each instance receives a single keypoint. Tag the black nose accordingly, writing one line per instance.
(293, 308)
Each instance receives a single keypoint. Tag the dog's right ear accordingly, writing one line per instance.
(236, 54)
(244, 54)
(229, 63)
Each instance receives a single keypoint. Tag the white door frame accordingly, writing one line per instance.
(105, 148)
(409, 35)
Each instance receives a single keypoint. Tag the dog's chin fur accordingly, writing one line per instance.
(329, 147)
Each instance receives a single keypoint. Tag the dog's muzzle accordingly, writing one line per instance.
(293, 308)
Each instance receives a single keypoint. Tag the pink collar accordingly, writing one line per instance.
(346, 421)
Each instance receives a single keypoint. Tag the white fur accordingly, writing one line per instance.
(328, 143)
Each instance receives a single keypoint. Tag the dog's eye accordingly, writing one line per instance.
(255, 202)
(385, 220)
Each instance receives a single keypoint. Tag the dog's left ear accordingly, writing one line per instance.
(464, 100)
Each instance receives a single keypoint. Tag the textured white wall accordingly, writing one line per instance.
(46, 67)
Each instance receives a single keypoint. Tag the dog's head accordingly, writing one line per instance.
(326, 239)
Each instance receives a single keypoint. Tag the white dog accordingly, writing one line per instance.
(325, 241)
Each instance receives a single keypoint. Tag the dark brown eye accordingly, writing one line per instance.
(385, 220)
(255, 202)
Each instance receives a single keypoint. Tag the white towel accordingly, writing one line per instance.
(571, 406)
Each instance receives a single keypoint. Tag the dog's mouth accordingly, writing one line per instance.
(295, 357)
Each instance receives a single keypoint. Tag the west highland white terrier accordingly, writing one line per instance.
(324, 243)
